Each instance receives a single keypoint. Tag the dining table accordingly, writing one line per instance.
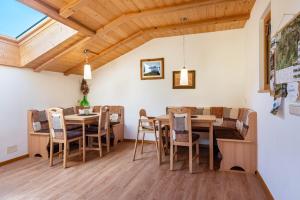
(203, 121)
(82, 119)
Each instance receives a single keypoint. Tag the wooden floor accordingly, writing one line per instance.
(115, 176)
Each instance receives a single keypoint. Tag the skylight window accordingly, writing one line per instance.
(16, 19)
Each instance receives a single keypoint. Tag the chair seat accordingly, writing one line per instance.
(74, 134)
(182, 136)
(200, 129)
(73, 127)
(93, 130)
(227, 133)
(43, 131)
(114, 123)
(148, 128)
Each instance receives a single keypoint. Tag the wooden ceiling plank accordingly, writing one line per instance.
(51, 12)
(64, 52)
(106, 51)
(169, 30)
(72, 7)
(156, 11)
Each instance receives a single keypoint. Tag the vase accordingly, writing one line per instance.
(84, 102)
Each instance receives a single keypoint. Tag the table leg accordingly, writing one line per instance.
(83, 141)
(159, 142)
(211, 147)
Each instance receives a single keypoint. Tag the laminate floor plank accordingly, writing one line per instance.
(115, 176)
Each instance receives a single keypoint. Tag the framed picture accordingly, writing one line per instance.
(191, 77)
(152, 69)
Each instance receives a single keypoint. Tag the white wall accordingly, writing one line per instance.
(278, 136)
(218, 59)
(21, 90)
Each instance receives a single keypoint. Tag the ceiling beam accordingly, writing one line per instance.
(64, 52)
(164, 29)
(105, 51)
(72, 7)
(53, 13)
(206, 22)
(75, 5)
(157, 11)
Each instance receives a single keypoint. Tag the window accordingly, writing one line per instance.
(16, 18)
(267, 45)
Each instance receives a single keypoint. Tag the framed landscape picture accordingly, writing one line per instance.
(152, 69)
(191, 77)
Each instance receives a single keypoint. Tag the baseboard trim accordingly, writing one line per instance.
(145, 141)
(265, 187)
(13, 160)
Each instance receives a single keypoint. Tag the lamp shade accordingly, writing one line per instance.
(87, 73)
(184, 80)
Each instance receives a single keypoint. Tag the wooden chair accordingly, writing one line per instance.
(59, 134)
(98, 131)
(181, 135)
(145, 125)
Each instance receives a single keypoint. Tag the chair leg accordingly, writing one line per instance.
(198, 152)
(176, 153)
(80, 146)
(60, 150)
(171, 156)
(68, 148)
(156, 145)
(100, 145)
(167, 139)
(108, 142)
(191, 159)
(162, 149)
(65, 154)
(142, 149)
(51, 153)
(135, 145)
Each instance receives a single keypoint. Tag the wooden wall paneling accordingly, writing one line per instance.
(9, 52)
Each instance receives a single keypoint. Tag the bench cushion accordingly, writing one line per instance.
(227, 133)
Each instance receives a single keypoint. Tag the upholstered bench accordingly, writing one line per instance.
(235, 133)
(38, 131)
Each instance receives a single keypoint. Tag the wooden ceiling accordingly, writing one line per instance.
(112, 28)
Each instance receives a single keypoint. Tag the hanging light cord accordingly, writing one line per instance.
(86, 56)
(183, 50)
(86, 51)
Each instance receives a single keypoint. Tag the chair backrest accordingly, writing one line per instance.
(37, 121)
(104, 121)
(180, 124)
(69, 111)
(193, 110)
(142, 113)
(57, 124)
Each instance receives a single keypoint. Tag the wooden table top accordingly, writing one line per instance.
(77, 117)
(208, 118)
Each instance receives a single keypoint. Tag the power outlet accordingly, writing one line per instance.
(12, 149)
